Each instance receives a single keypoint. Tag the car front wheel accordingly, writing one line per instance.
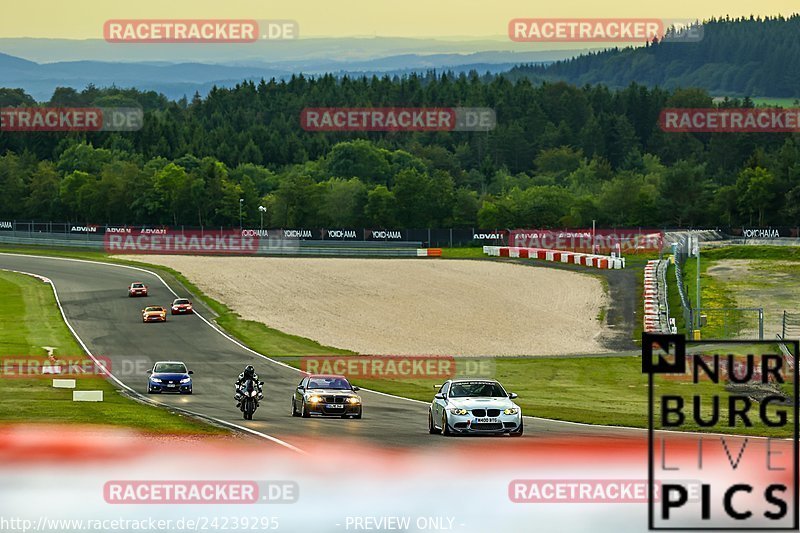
(445, 429)
(305, 412)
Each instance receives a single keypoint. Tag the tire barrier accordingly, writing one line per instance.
(656, 308)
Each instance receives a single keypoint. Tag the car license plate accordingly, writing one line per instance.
(485, 420)
(171, 385)
(335, 405)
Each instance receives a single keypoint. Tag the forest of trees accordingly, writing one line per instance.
(738, 57)
(559, 156)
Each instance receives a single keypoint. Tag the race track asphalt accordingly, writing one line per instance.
(95, 302)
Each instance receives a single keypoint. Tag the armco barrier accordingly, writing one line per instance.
(557, 256)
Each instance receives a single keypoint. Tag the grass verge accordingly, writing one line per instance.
(713, 295)
(464, 253)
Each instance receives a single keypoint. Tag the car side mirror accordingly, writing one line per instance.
(439, 396)
(191, 372)
(356, 389)
(512, 395)
(300, 388)
(260, 382)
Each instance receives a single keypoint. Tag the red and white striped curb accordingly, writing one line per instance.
(577, 258)
(429, 252)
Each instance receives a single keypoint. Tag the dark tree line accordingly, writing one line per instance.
(739, 57)
(559, 156)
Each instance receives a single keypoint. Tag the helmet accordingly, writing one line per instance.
(249, 370)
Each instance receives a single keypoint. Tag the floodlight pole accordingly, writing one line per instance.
(241, 202)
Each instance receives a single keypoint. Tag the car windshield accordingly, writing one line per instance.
(138, 285)
(149, 309)
(170, 368)
(329, 383)
(477, 389)
(179, 302)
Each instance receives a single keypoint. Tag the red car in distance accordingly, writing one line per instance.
(137, 289)
(181, 306)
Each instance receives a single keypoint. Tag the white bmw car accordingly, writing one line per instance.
(474, 406)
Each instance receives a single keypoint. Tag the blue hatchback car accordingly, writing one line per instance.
(170, 376)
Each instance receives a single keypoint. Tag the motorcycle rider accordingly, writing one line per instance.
(249, 373)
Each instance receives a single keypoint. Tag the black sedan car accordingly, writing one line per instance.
(326, 395)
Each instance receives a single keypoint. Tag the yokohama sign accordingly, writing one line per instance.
(580, 240)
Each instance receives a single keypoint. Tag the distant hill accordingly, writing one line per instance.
(737, 57)
(176, 77)
(345, 49)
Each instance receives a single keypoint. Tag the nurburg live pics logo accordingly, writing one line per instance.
(746, 482)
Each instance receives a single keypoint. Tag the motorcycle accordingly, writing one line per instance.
(248, 395)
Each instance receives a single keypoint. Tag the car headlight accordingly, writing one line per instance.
(511, 411)
(155, 380)
(186, 380)
(254, 393)
(314, 399)
(354, 399)
(458, 411)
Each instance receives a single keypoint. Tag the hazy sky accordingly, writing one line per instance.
(82, 19)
